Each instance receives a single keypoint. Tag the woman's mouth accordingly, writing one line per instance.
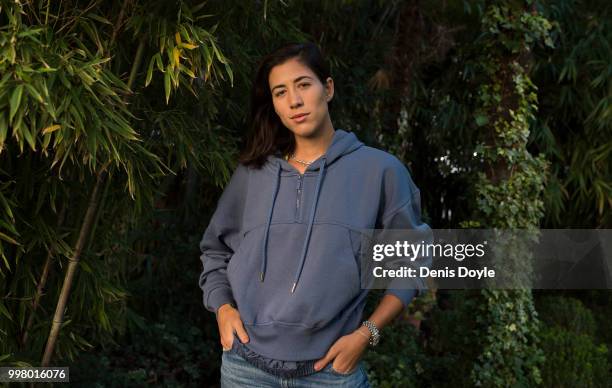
(300, 118)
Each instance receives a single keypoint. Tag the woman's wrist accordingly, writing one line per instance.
(224, 306)
(364, 333)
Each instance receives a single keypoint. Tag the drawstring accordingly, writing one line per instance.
(265, 244)
(310, 222)
(308, 232)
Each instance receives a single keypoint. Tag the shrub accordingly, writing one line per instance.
(568, 313)
(573, 360)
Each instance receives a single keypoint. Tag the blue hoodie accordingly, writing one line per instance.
(285, 247)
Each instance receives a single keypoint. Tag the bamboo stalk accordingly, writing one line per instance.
(99, 211)
(58, 317)
(88, 221)
(136, 64)
(117, 25)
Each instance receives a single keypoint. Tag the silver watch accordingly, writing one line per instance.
(375, 334)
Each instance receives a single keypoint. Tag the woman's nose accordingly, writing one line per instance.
(295, 99)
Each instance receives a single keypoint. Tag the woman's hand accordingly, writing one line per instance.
(228, 319)
(346, 351)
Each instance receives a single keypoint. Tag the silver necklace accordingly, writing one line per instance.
(301, 161)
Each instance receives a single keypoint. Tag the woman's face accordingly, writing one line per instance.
(296, 90)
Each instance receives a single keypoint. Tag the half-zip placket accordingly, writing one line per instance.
(298, 198)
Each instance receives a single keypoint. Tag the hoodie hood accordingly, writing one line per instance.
(342, 144)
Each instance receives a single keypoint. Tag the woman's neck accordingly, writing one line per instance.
(311, 148)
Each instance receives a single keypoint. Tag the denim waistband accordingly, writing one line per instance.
(278, 368)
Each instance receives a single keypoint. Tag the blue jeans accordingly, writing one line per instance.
(236, 372)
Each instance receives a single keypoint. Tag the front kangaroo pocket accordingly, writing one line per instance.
(328, 282)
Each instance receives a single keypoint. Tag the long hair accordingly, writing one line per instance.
(267, 134)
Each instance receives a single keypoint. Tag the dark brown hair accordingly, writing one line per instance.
(267, 134)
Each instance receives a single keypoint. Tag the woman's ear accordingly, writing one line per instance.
(329, 89)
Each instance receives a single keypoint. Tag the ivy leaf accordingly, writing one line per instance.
(481, 119)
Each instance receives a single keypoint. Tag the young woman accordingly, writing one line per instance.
(281, 252)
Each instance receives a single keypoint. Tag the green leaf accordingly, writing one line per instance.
(15, 101)
(34, 93)
(208, 58)
(220, 56)
(8, 239)
(481, 119)
(167, 86)
(29, 137)
(158, 62)
(228, 69)
(4, 311)
(150, 72)
(3, 129)
(5, 79)
(187, 71)
(99, 18)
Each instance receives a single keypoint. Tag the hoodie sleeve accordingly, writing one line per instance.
(402, 210)
(220, 241)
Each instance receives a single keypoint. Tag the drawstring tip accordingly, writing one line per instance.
(293, 288)
(261, 276)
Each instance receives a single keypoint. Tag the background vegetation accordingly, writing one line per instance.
(120, 123)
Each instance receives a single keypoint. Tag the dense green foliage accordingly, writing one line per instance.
(574, 356)
(501, 111)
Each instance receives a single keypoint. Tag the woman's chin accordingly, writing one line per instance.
(305, 130)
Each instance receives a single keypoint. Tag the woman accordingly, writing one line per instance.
(281, 253)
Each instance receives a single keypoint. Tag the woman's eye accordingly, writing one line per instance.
(306, 84)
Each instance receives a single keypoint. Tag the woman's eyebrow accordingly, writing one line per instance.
(294, 81)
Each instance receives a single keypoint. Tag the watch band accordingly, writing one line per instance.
(375, 333)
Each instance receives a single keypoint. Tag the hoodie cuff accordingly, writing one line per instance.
(218, 297)
(405, 295)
